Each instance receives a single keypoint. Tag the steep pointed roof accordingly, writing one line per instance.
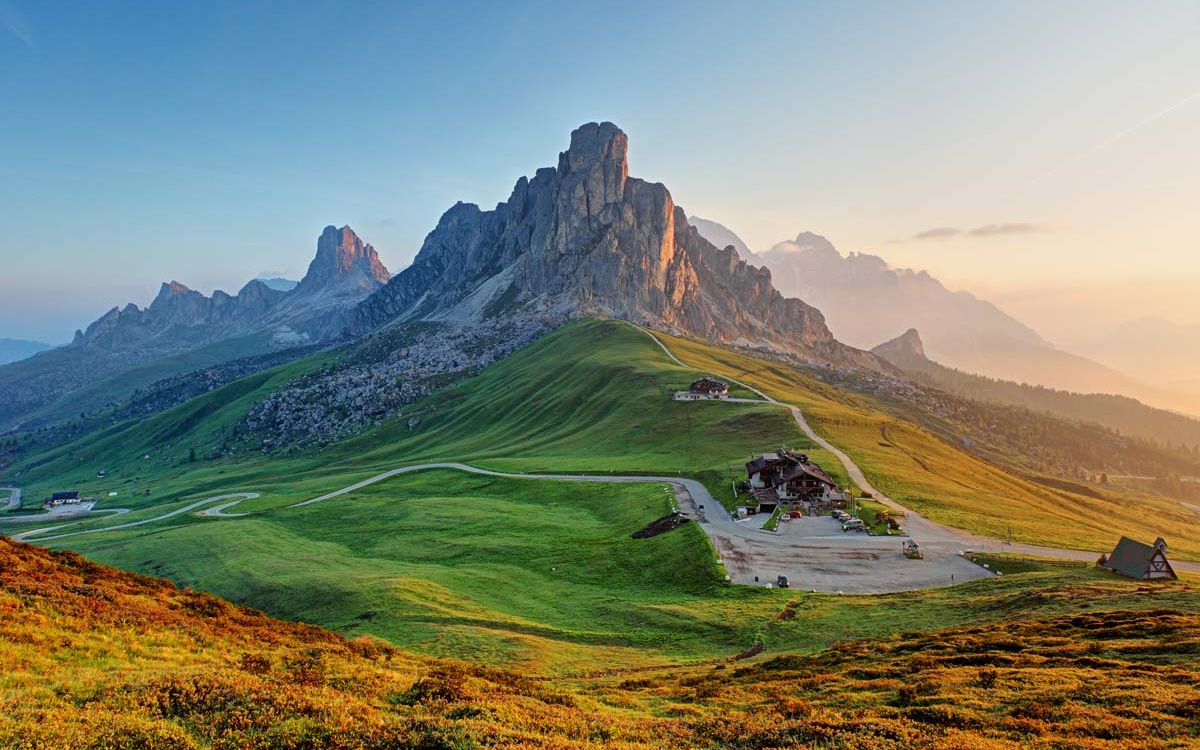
(1132, 558)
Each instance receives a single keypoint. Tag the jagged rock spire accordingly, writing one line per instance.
(339, 253)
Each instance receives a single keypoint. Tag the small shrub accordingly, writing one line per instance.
(255, 664)
(906, 695)
(987, 678)
(307, 668)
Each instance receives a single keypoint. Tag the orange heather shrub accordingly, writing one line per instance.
(95, 658)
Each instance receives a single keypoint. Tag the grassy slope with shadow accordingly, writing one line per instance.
(943, 482)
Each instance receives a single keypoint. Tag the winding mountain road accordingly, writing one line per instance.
(809, 551)
(927, 532)
(171, 514)
(14, 497)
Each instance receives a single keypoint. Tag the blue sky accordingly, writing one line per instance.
(209, 142)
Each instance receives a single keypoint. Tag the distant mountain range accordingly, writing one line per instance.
(182, 329)
(278, 283)
(1121, 413)
(1152, 348)
(866, 301)
(13, 350)
(721, 237)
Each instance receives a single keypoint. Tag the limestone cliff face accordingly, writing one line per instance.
(343, 258)
(585, 238)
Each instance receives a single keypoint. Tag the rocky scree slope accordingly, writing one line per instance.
(584, 238)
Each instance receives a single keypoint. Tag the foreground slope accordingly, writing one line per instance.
(96, 658)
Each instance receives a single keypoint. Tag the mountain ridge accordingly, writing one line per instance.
(15, 350)
(866, 300)
(180, 320)
(1124, 414)
(585, 238)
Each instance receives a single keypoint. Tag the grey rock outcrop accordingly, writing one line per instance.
(905, 351)
(344, 260)
(585, 238)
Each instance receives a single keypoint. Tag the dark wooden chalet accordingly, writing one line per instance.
(792, 476)
(709, 387)
(1139, 561)
(66, 497)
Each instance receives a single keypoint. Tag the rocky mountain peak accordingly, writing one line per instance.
(905, 349)
(599, 158)
(169, 289)
(340, 254)
(806, 242)
(584, 238)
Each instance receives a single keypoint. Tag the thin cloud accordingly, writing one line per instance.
(13, 20)
(996, 230)
(1126, 132)
(938, 234)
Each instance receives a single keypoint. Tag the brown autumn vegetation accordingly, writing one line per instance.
(91, 657)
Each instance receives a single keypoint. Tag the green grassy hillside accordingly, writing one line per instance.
(455, 564)
(593, 397)
(943, 481)
(497, 570)
(519, 571)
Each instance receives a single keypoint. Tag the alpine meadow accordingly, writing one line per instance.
(578, 468)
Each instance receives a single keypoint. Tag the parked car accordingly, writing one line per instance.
(782, 582)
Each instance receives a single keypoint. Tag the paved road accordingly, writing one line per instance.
(746, 550)
(14, 497)
(171, 514)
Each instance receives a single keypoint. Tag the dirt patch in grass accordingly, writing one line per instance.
(669, 522)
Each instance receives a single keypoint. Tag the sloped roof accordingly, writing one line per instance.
(708, 384)
(796, 465)
(808, 468)
(1132, 558)
(766, 495)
